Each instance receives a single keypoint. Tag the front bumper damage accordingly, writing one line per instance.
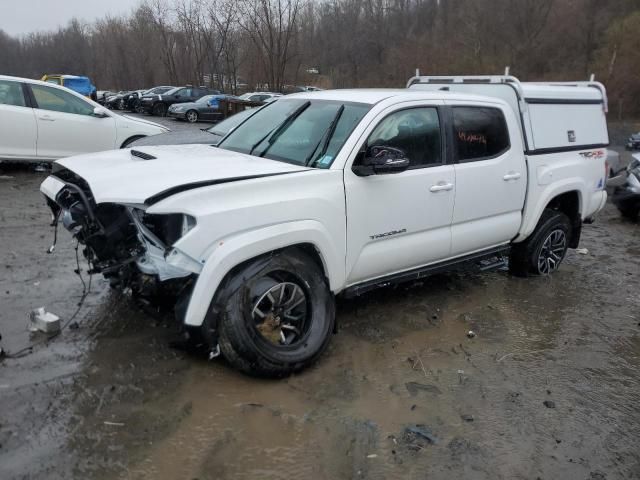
(131, 248)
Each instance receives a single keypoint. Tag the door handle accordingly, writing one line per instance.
(441, 186)
(47, 118)
(511, 176)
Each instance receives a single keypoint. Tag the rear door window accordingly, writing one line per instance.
(479, 133)
(11, 94)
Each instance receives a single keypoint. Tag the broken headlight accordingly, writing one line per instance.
(168, 228)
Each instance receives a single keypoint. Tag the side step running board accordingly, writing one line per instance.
(492, 259)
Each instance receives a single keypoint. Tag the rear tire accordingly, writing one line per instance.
(160, 110)
(276, 315)
(543, 252)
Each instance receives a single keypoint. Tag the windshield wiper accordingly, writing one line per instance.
(274, 133)
(325, 138)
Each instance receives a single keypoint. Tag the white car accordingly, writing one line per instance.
(338, 192)
(43, 122)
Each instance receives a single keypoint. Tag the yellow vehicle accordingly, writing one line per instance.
(79, 84)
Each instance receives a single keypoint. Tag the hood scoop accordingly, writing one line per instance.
(142, 155)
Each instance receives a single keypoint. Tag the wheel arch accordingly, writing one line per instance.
(131, 139)
(567, 198)
(235, 253)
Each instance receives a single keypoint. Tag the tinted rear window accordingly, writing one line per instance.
(479, 133)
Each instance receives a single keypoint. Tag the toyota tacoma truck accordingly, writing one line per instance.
(329, 193)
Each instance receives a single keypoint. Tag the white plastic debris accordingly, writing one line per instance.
(44, 321)
(582, 251)
(471, 334)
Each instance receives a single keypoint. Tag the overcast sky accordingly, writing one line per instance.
(24, 16)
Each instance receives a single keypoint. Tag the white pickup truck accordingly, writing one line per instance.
(337, 192)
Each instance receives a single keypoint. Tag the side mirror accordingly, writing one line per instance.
(100, 112)
(381, 160)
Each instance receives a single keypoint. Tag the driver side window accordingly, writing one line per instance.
(415, 131)
(58, 100)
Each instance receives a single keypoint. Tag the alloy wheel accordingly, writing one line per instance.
(192, 116)
(552, 252)
(280, 314)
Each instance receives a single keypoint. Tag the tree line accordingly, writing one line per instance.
(269, 44)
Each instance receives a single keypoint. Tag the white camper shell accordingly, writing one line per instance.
(554, 117)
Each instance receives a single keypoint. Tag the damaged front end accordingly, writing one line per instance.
(130, 247)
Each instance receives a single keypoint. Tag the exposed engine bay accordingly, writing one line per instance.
(122, 242)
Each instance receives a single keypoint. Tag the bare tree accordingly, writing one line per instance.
(271, 25)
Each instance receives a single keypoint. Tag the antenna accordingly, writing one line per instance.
(506, 71)
(592, 78)
(417, 72)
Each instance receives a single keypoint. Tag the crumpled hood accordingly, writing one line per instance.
(117, 176)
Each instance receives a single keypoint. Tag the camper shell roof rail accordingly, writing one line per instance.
(525, 91)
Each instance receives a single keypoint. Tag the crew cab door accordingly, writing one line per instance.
(18, 128)
(400, 221)
(67, 126)
(491, 176)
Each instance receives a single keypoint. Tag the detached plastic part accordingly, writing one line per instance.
(44, 321)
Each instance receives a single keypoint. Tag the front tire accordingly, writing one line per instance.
(543, 252)
(276, 315)
(160, 110)
(191, 116)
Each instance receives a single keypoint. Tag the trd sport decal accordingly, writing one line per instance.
(387, 234)
(593, 154)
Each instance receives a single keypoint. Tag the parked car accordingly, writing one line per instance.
(159, 104)
(627, 197)
(634, 142)
(259, 96)
(102, 95)
(132, 100)
(116, 101)
(207, 108)
(338, 192)
(205, 136)
(77, 83)
(43, 121)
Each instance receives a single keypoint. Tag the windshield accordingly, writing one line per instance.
(230, 123)
(172, 91)
(298, 131)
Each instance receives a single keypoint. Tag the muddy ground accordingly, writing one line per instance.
(548, 388)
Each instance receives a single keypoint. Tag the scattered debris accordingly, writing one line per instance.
(582, 251)
(471, 334)
(415, 435)
(114, 424)
(549, 404)
(373, 455)
(44, 321)
(414, 388)
(467, 418)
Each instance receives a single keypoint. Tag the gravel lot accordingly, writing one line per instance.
(548, 388)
